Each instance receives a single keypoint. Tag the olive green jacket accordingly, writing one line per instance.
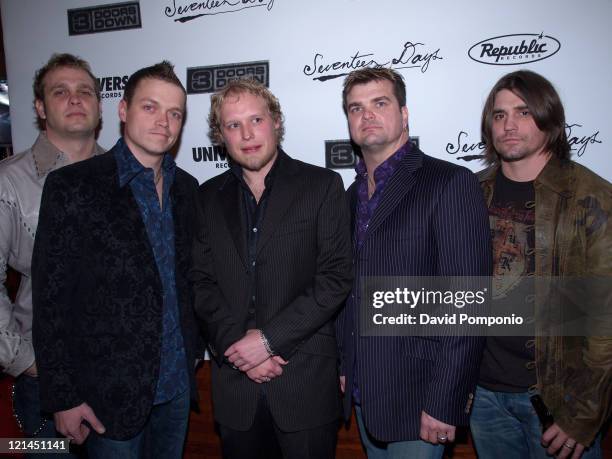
(573, 238)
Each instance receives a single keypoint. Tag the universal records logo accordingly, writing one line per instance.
(104, 18)
(514, 49)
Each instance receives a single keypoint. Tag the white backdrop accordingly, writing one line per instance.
(302, 41)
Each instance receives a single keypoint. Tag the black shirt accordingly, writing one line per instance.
(508, 363)
(253, 214)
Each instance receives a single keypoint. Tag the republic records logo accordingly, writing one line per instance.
(514, 49)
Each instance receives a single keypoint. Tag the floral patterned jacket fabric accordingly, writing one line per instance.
(97, 293)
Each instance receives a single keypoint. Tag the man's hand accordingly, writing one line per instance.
(434, 431)
(266, 371)
(342, 383)
(280, 360)
(32, 371)
(561, 444)
(248, 352)
(70, 423)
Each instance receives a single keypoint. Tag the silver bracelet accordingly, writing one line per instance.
(266, 343)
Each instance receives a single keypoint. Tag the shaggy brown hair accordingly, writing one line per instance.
(544, 104)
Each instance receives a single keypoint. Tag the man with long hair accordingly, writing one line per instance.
(549, 219)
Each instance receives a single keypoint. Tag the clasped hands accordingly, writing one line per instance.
(250, 356)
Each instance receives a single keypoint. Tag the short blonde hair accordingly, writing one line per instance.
(235, 88)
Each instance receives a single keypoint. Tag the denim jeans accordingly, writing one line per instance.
(505, 425)
(416, 449)
(166, 427)
(34, 423)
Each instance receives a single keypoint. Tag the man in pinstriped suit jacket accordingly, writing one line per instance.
(272, 266)
(413, 216)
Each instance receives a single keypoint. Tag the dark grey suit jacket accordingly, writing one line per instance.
(430, 221)
(304, 274)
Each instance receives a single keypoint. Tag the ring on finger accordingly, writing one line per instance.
(442, 437)
(568, 446)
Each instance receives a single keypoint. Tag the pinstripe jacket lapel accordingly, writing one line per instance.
(398, 186)
(284, 190)
(229, 198)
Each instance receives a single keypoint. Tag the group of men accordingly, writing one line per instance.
(128, 269)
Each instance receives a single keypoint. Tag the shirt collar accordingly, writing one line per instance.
(47, 157)
(237, 170)
(387, 167)
(129, 167)
(555, 175)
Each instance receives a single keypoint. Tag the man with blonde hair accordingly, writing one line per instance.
(272, 267)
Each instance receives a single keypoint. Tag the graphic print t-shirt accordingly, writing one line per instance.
(508, 361)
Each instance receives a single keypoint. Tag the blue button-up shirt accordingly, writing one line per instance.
(159, 224)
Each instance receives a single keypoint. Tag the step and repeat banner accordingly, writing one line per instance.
(450, 54)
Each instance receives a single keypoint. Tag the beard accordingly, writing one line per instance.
(255, 163)
(517, 151)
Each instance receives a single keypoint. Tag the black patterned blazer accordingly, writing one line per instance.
(430, 221)
(97, 294)
(304, 274)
